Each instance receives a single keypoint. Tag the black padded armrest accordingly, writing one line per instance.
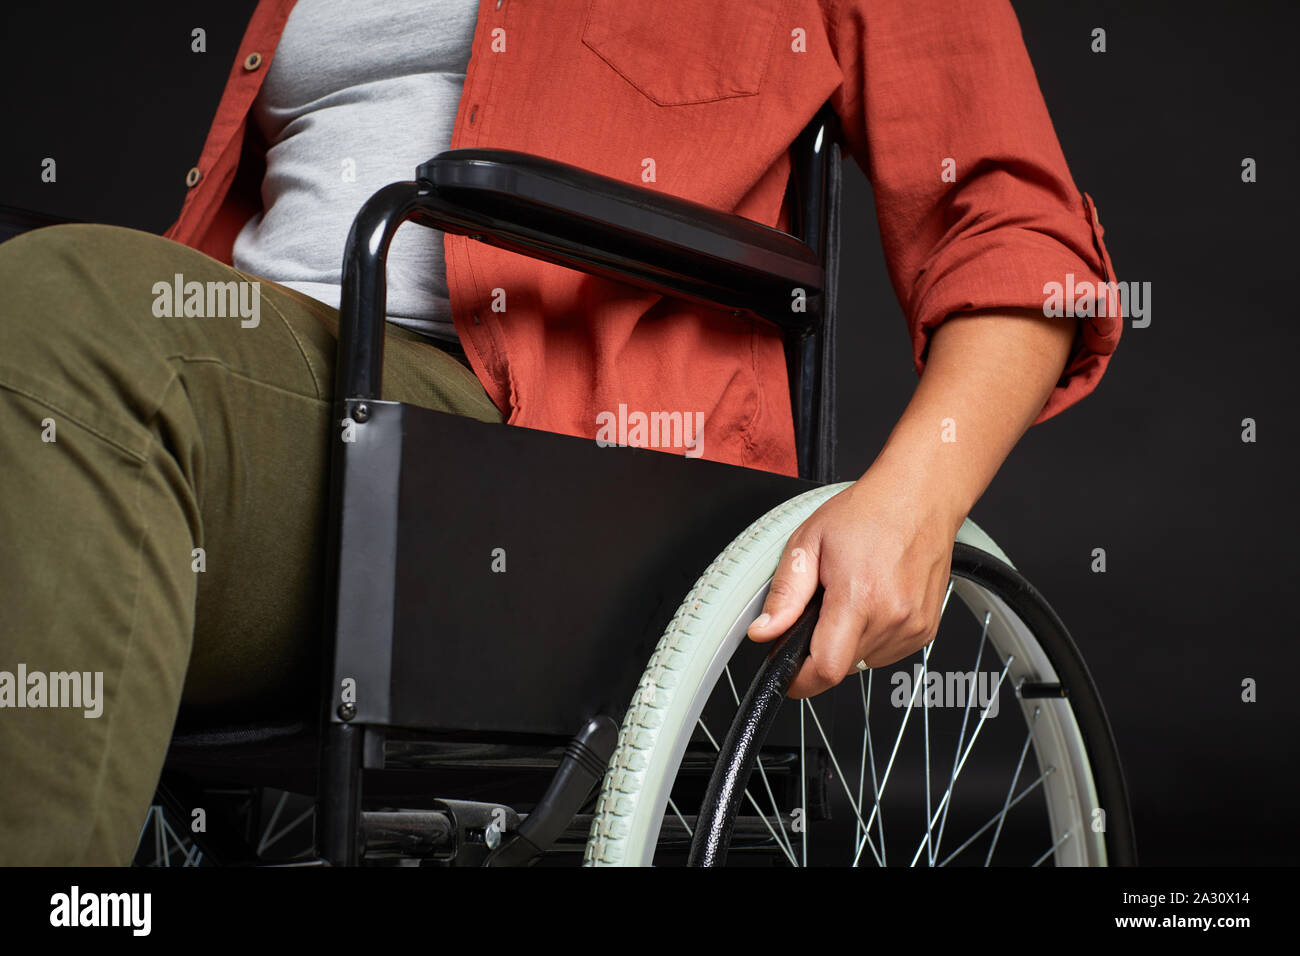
(566, 214)
(559, 213)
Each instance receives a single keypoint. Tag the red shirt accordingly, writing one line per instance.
(714, 92)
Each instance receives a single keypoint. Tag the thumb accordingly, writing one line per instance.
(793, 585)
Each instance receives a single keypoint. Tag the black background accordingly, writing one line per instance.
(1197, 525)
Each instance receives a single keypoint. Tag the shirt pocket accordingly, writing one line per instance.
(679, 52)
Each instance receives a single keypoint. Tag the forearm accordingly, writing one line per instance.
(987, 376)
(882, 548)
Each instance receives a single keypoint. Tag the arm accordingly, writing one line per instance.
(991, 373)
(882, 548)
(929, 84)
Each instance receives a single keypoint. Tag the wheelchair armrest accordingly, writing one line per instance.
(565, 214)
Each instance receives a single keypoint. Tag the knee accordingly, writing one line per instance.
(62, 285)
(35, 254)
(54, 261)
(75, 337)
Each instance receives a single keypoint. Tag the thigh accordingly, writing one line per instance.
(222, 381)
(257, 638)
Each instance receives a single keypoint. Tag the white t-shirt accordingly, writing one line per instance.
(357, 96)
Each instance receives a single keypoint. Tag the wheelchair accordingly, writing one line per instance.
(638, 726)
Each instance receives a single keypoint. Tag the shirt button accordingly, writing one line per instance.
(252, 61)
(193, 176)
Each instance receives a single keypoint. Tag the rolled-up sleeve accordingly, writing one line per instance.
(930, 85)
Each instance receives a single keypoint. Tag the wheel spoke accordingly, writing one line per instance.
(1055, 846)
(973, 737)
(961, 736)
(925, 714)
(288, 827)
(263, 843)
(925, 721)
(144, 828)
(1029, 737)
(160, 824)
(180, 843)
(884, 781)
(844, 783)
(689, 832)
(803, 787)
(864, 689)
(997, 816)
(862, 770)
(871, 756)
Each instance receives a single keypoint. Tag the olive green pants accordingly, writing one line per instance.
(162, 507)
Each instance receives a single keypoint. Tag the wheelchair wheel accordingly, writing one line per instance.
(988, 747)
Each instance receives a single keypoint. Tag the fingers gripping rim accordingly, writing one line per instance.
(686, 661)
(635, 790)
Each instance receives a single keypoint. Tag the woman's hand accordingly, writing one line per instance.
(882, 549)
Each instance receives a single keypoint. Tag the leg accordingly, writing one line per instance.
(128, 441)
